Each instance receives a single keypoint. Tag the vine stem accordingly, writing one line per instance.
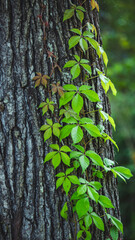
(83, 2)
(71, 3)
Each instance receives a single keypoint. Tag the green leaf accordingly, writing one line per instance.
(84, 61)
(74, 179)
(44, 127)
(47, 134)
(80, 15)
(80, 148)
(76, 30)
(82, 180)
(81, 8)
(61, 174)
(117, 223)
(96, 159)
(64, 210)
(65, 158)
(93, 194)
(95, 184)
(91, 95)
(88, 34)
(56, 131)
(114, 233)
(77, 103)
(45, 109)
(104, 115)
(70, 87)
(108, 162)
(56, 160)
(84, 161)
(84, 87)
(73, 41)
(54, 146)
(66, 130)
(99, 174)
(66, 185)
(79, 234)
(76, 164)
(50, 122)
(75, 154)
(82, 207)
(68, 14)
(93, 43)
(51, 107)
(111, 120)
(75, 71)
(125, 172)
(81, 189)
(59, 182)
(85, 121)
(105, 202)
(87, 68)
(69, 120)
(57, 125)
(97, 221)
(88, 235)
(107, 137)
(69, 170)
(92, 130)
(49, 156)
(114, 91)
(77, 58)
(76, 134)
(83, 44)
(65, 149)
(70, 63)
(42, 104)
(105, 58)
(88, 221)
(67, 98)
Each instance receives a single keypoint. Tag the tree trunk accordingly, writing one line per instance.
(29, 203)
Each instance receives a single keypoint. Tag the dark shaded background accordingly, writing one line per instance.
(117, 20)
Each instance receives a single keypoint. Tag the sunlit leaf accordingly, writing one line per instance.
(68, 14)
(77, 103)
(76, 134)
(73, 41)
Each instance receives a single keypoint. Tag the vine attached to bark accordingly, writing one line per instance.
(76, 123)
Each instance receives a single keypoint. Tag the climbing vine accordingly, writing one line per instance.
(76, 124)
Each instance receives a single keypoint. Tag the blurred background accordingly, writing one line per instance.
(117, 21)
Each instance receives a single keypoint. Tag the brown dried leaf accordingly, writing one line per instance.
(37, 83)
(36, 77)
(44, 81)
(46, 76)
(39, 74)
(54, 88)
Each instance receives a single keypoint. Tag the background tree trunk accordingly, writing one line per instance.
(29, 203)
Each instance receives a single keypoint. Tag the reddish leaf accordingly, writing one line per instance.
(57, 88)
(41, 79)
(39, 16)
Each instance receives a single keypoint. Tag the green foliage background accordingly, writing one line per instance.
(117, 20)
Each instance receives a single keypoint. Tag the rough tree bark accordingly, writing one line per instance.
(29, 202)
